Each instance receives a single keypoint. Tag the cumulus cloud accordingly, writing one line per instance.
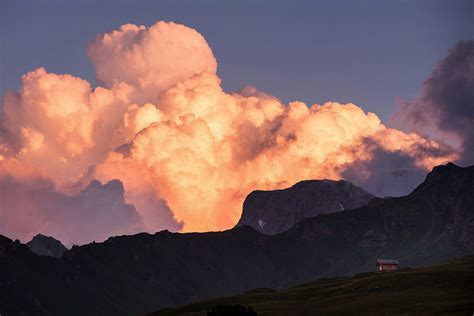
(150, 59)
(186, 152)
(446, 104)
(211, 148)
(58, 123)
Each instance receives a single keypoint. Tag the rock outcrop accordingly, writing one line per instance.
(46, 246)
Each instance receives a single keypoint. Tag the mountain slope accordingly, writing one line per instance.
(272, 212)
(129, 275)
(446, 288)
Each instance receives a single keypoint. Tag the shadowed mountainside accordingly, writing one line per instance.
(272, 212)
(441, 289)
(130, 275)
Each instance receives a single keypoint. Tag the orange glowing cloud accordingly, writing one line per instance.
(150, 59)
(186, 151)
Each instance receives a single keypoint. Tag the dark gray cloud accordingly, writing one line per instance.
(35, 206)
(447, 99)
(393, 173)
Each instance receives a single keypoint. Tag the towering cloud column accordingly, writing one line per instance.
(170, 148)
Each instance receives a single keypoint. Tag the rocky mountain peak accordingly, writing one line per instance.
(46, 246)
(272, 212)
(446, 176)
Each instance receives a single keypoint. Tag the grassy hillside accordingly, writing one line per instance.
(442, 289)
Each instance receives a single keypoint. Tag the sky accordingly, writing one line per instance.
(371, 53)
(123, 117)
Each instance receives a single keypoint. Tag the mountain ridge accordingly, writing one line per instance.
(129, 275)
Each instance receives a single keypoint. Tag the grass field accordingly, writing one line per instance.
(442, 289)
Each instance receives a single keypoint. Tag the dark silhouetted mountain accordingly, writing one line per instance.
(131, 275)
(272, 212)
(46, 246)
